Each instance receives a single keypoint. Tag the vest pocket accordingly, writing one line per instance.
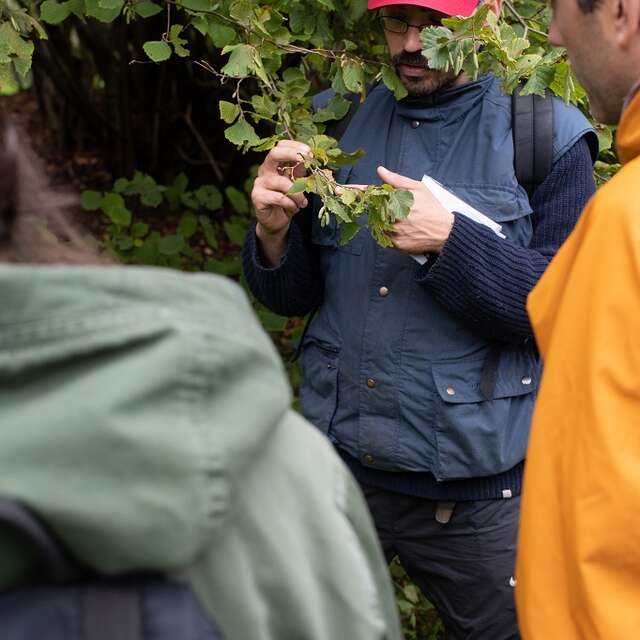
(319, 392)
(476, 436)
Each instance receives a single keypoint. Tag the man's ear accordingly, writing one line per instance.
(625, 15)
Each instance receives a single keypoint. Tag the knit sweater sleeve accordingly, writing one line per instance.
(484, 280)
(295, 286)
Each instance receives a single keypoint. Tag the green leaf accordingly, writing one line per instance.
(229, 111)
(241, 133)
(52, 12)
(393, 83)
(139, 230)
(221, 35)
(147, 9)
(209, 231)
(174, 191)
(157, 50)
(238, 199)
(111, 4)
(94, 10)
(188, 225)
(171, 245)
(241, 61)
(236, 230)
(227, 267)
(271, 321)
(178, 42)
(353, 76)
(400, 203)
(115, 209)
(300, 185)
(91, 200)
(348, 231)
(196, 5)
(209, 197)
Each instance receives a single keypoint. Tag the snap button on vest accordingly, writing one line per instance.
(451, 391)
(415, 124)
(368, 458)
(383, 291)
(526, 380)
(371, 383)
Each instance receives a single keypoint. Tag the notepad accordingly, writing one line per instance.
(452, 203)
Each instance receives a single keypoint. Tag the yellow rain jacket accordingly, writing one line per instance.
(578, 568)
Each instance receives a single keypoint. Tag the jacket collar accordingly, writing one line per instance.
(455, 101)
(628, 136)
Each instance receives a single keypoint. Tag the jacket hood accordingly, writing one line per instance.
(131, 401)
(628, 134)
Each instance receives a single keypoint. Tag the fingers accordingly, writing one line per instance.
(273, 183)
(396, 180)
(285, 152)
(270, 199)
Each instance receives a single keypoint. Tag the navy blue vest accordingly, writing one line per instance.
(389, 375)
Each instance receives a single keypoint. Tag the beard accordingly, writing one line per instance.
(427, 82)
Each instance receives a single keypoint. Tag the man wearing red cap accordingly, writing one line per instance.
(424, 375)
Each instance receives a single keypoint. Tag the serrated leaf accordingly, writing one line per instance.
(157, 50)
(241, 61)
(353, 76)
(348, 231)
(52, 12)
(229, 111)
(241, 133)
(91, 200)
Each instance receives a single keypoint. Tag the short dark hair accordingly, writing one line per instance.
(35, 226)
(588, 6)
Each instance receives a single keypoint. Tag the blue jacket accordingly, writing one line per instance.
(393, 375)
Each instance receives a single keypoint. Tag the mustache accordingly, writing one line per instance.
(412, 59)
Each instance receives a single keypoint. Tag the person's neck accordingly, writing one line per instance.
(635, 89)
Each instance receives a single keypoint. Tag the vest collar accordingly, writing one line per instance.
(455, 101)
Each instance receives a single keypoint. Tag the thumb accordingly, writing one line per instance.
(396, 180)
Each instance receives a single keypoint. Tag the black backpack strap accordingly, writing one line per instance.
(532, 126)
(56, 563)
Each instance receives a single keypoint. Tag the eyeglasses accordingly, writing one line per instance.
(398, 25)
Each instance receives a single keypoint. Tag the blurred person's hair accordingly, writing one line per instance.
(35, 226)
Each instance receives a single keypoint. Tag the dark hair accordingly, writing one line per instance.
(34, 222)
(588, 6)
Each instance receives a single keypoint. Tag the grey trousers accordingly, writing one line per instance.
(465, 566)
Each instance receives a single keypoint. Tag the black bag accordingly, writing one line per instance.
(66, 602)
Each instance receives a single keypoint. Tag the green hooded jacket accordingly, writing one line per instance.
(144, 415)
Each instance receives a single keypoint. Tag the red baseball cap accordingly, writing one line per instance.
(450, 7)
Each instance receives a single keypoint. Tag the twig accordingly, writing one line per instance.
(203, 145)
(523, 22)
